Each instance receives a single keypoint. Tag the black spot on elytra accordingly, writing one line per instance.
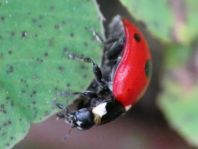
(148, 68)
(12, 33)
(24, 34)
(71, 35)
(137, 37)
(10, 69)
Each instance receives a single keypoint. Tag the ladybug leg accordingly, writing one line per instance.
(87, 94)
(96, 69)
(114, 48)
(97, 36)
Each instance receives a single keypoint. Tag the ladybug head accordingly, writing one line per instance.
(81, 119)
(85, 118)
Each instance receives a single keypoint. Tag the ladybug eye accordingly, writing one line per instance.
(148, 68)
(137, 37)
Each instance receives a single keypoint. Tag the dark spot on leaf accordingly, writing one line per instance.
(39, 60)
(10, 69)
(65, 50)
(56, 88)
(46, 54)
(82, 66)
(57, 26)
(33, 102)
(51, 42)
(9, 122)
(34, 20)
(85, 44)
(137, 37)
(2, 18)
(52, 7)
(7, 144)
(63, 22)
(24, 34)
(12, 33)
(9, 52)
(33, 93)
(71, 34)
(7, 98)
(68, 84)
(5, 124)
(35, 35)
(61, 68)
(3, 134)
(1, 55)
(40, 26)
(11, 138)
(23, 91)
(85, 76)
(12, 103)
(41, 17)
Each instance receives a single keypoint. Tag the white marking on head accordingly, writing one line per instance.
(79, 123)
(127, 107)
(100, 109)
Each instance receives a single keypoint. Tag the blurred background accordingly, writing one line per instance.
(155, 122)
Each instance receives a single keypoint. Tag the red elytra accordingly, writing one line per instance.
(130, 78)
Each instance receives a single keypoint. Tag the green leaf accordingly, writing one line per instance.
(34, 36)
(177, 55)
(168, 20)
(188, 31)
(179, 104)
(155, 13)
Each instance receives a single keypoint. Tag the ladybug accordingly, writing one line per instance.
(121, 80)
